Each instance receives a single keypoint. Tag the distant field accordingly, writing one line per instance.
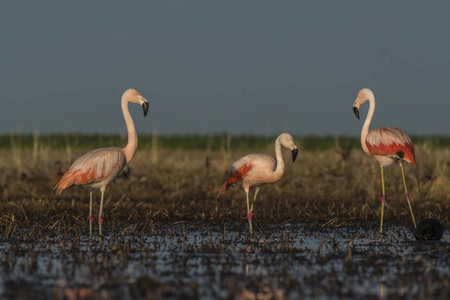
(195, 142)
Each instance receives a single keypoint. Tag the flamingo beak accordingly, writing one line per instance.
(145, 108)
(356, 111)
(294, 154)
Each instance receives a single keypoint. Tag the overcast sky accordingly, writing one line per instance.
(253, 67)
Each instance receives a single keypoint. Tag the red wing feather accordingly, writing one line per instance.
(76, 177)
(389, 141)
(234, 177)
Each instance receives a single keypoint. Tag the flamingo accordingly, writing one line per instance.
(97, 168)
(258, 169)
(387, 145)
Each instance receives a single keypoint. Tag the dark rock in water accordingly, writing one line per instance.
(429, 229)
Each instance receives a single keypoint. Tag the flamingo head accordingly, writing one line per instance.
(286, 140)
(133, 96)
(364, 95)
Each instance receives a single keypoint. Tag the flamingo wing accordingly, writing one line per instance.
(94, 166)
(391, 141)
(238, 172)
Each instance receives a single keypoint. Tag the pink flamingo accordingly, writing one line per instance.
(256, 170)
(97, 168)
(387, 145)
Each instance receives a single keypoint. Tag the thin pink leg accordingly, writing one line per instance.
(250, 215)
(383, 197)
(91, 218)
(410, 208)
(100, 219)
(407, 196)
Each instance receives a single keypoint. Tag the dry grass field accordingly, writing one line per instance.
(329, 186)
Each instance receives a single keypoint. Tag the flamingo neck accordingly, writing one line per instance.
(366, 126)
(279, 169)
(131, 147)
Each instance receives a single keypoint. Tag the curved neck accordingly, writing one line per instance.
(279, 170)
(365, 129)
(131, 147)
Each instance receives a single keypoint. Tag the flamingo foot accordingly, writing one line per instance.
(250, 215)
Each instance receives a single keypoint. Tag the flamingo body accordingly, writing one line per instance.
(258, 169)
(253, 170)
(392, 143)
(97, 168)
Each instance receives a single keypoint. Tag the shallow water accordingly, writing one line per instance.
(188, 260)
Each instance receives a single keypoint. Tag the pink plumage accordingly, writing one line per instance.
(97, 168)
(391, 141)
(256, 170)
(387, 145)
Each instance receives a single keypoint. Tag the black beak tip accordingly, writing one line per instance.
(145, 108)
(294, 154)
(356, 112)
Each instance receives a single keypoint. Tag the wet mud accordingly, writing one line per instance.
(191, 260)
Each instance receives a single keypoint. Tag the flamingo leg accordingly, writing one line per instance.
(91, 219)
(249, 213)
(383, 197)
(407, 196)
(254, 197)
(100, 219)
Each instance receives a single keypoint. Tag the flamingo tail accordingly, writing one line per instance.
(66, 181)
(223, 189)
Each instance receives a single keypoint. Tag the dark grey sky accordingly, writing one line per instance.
(258, 67)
